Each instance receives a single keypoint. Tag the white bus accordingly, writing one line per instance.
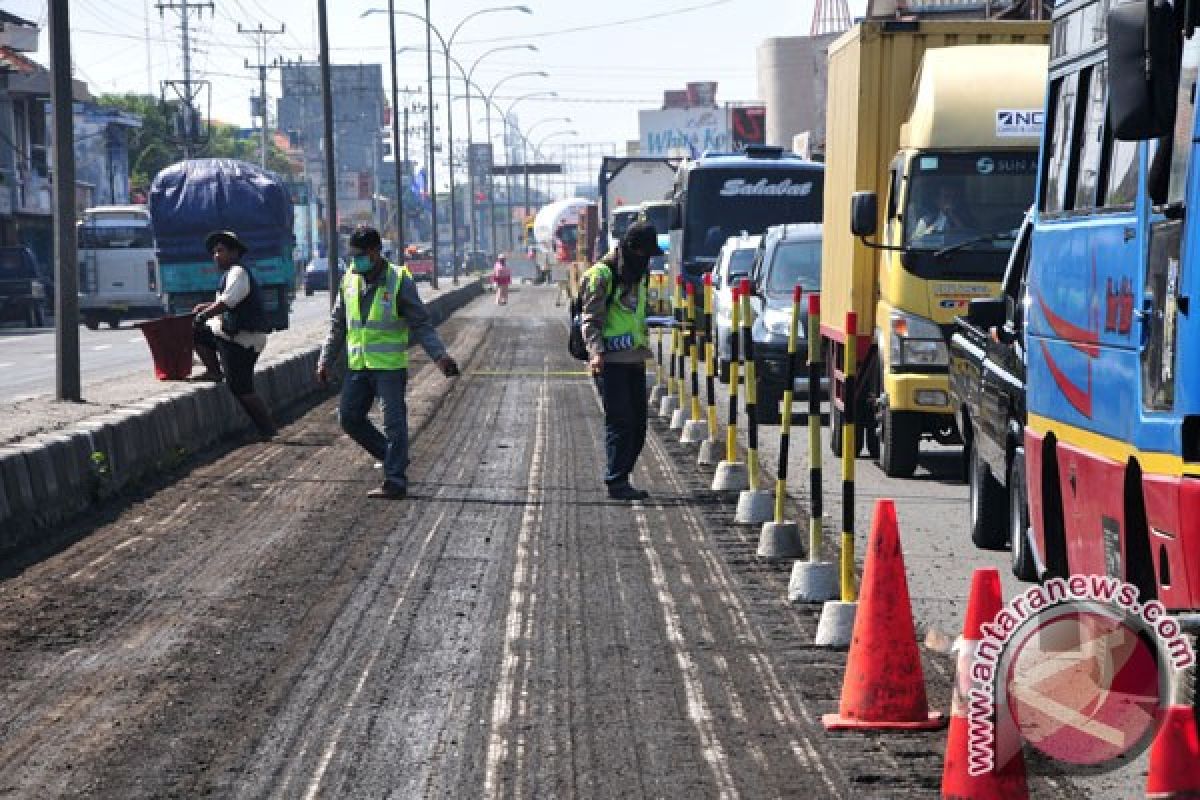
(118, 269)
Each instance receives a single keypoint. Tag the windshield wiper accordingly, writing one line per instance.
(987, 237)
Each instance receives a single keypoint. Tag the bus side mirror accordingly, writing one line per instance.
(1143, 70)
(864, 213)
(674, 217)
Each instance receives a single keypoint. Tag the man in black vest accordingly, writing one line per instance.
(234, 327)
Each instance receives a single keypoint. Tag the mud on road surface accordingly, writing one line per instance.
(259, 629)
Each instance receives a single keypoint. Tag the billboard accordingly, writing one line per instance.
(683, 131)
(748, 125)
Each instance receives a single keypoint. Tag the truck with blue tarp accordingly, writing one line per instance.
(190, 199)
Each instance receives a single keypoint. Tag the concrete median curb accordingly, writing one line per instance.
(49, 479)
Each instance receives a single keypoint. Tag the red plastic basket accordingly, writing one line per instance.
(170, 340)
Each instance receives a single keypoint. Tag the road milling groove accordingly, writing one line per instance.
(461, 408)
(132, 616)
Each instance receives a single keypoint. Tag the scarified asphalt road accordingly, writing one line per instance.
(257, 628)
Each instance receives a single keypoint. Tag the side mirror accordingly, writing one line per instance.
(674, 217)
(985, 313)
(1143, 69)
(864, 213)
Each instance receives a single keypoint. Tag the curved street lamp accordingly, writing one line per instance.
(430, 29)
(537, 148)
(525, 142)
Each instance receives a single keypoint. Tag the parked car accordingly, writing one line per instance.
(23, 293)
(987, 389)
(789, 255)
(734, 263)
(316, 274)
(476, 261)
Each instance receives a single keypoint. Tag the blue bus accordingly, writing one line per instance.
(725, 194)
(1111, 451)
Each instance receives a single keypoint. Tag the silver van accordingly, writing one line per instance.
(118, 268)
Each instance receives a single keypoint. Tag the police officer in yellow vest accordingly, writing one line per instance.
(375, 315)
(614, 328)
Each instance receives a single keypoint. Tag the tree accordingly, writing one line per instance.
(153, 146)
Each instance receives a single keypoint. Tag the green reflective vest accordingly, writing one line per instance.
(379, 339)
(624, 329)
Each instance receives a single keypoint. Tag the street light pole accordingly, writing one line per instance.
(67, 382)
(331, 231)
(433, 279)
(397, 162)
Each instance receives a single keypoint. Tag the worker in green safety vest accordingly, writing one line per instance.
(614, 330)
(376, 314)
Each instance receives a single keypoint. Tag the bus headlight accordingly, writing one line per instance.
(917, 342)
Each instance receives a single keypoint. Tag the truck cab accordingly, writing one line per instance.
(949, 171)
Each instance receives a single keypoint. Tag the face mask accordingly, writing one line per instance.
(361, 264)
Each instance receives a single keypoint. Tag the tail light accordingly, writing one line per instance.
(152, 275)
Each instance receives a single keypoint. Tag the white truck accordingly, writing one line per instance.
(631, 181)
(556, 229)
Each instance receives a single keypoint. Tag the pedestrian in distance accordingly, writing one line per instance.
(502, 277)
(231, 331)
(376, 313)
(614, 329)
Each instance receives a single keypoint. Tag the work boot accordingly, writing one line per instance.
(624, 491)
(388, 491)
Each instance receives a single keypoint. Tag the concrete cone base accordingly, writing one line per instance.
(657, 393)
(731, 476)
(679, 419)
(710, 453)
(812, 582)
(836, 626)
(695, 431)
(779, 540)
(754, 507)
(668, 405)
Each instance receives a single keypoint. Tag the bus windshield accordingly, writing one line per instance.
(957, 197)
(722, 203)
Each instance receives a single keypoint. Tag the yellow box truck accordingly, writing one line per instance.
(933, 131)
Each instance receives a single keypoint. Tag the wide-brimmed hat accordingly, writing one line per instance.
(643, 237)
(227, 238)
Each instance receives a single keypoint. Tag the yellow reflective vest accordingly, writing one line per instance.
(378, 339)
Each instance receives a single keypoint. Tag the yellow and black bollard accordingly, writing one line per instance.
(813, 580)
(687, 344)
(755, 505)
(670, 401)
(732, 475)
(780, 538)
(710, 445)
(694, 427)
(836, 626)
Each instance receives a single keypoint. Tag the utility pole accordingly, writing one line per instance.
(261, 36)
(67, 384)
(397, 162)
(331, 178)
(189, 130)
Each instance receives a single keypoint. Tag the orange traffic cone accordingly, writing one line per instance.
(1005, 781)
(1175, 758)
(884, 686)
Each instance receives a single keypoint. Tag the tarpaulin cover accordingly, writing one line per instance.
(190, 199)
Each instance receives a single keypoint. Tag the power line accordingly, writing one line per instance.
(191, 129)
(261, 36)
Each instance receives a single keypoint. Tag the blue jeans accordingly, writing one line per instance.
(359, 391)
(623, 391)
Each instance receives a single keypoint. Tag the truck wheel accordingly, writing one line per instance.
(35, 316)
(92, 322)
(900, 434)
(114, 321)
(767, 408)
(986, 506)
(1023, 566)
